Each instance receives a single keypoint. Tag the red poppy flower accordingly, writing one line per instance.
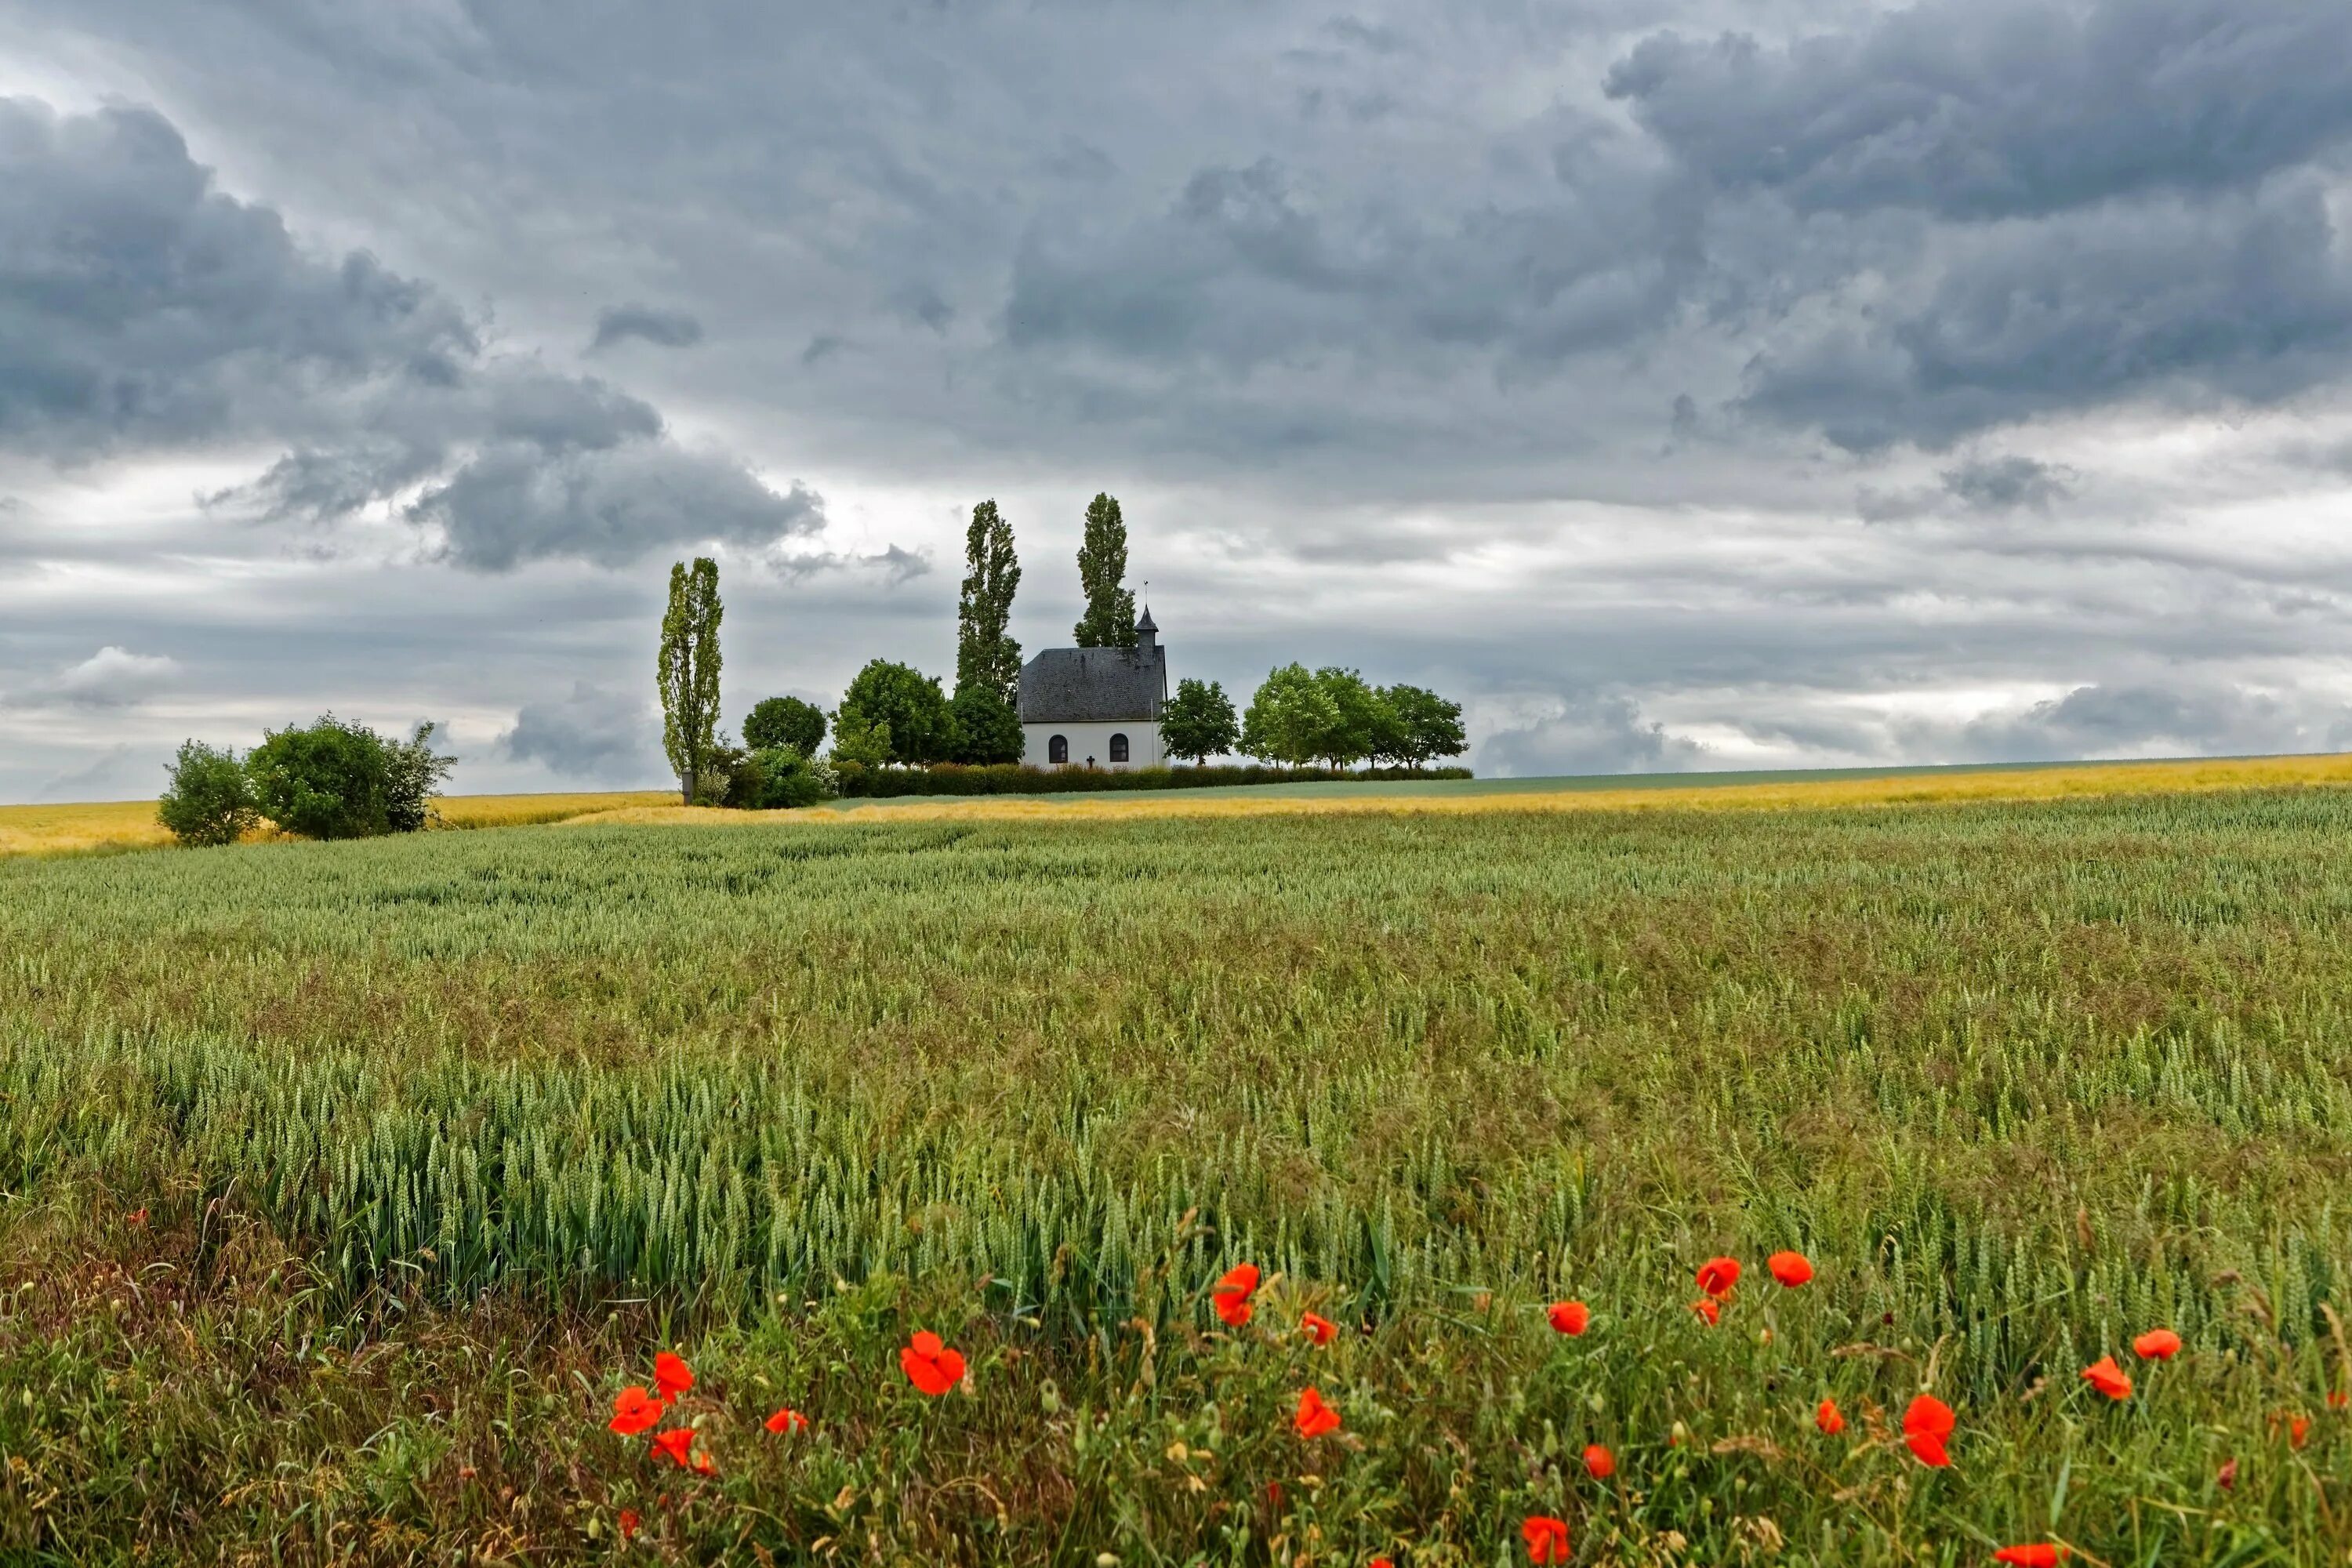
(634, 1411)
(786, 1420)
(1569, 1317)
(2039, 1554)
(1790, 1268)
(1926, 1429)
(703, 1466)
(1599, 1462)
(2228, 1475)
(629, 1522)
(2339, 1399)
(2156, 1344)
(1320, 1330)
(1379, 1562)
(2298, 1430)
(929, 1365)
(2108, 1378)
(674, 1443)
(1716, 1276)
(672, 1376)
(1547, 1539)
(136, 1216)
(1314, 1418)
(1828, 1418)
(1710, 1309)
(1232, 1295)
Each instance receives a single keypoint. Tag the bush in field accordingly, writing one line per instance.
(334, 780)
(987, 728)
(730, 776)
(790, 780)
(786, 721)
(210, 797)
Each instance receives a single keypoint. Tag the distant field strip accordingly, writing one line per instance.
(1742, 792)
(132, 824)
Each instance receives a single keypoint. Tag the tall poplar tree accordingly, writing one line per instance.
(688, 671)
(1109, 620)
(986, 658)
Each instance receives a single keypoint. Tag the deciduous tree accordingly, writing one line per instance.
(210, 797)
(922, 728)
(1430, 725)
(987, 729)
(1290, 720)
(784, 722)
(985, 655)
(1198, 721)
(688, 671)
(1109, 620)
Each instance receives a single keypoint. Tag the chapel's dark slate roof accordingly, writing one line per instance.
(1093, 685)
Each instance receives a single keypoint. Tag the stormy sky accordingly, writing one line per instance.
(1681, 383)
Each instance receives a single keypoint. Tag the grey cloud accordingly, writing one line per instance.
(113, 677)
(1977, 109)
(899, 564)
(139, 305)
(667, 329)
(1983, 486)
(2246, 298)
(142, 307)
(1247, 266)
(2194, 716)
(515, 503)
(2007, 484)
(596, 734)
(116, 772)
(1587, 733)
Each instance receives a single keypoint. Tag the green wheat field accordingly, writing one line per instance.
(345, 1185)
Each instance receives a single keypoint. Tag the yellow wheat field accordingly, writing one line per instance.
(105, 825)
(131, 824)
(2024, 784)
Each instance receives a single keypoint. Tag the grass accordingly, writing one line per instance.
(432, 1143)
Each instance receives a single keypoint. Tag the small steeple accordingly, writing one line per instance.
(1146, 635)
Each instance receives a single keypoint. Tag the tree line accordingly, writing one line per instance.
(893, 715)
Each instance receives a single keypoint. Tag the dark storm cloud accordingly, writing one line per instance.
(1988, 108)
(593, 734)
(2244, 298)
(139, 305)
(1985, 486)
(145, 309)
(667, 329)
(1248, 265)
(2192, 716)
(2005, 484)
(1588, 732)
(518, 502)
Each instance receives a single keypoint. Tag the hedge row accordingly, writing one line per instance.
(1014, 778)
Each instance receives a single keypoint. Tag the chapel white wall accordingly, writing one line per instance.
(1094, 740)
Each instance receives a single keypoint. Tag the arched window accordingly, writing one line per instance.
(1119, 748)
(1058, 750)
